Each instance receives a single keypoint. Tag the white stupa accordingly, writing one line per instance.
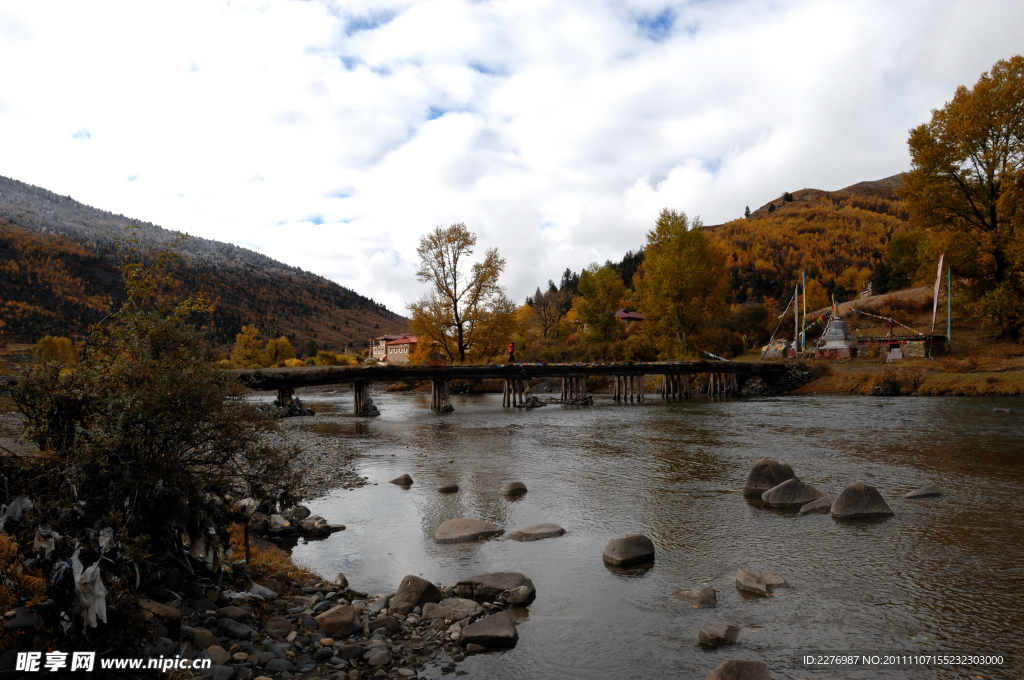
(839, 342)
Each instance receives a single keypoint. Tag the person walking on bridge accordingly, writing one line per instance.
(511, 354)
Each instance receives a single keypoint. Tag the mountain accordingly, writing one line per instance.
(58, 274)
(838, 238)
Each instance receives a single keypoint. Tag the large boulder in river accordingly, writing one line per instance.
(496, 630)
(740, 669)
(717, 634)
(860, 500)
(628, 550)
(766, 474)
(758, 581)
(925, 492)
(513, 489)
(823, 504)
(487, 587)
(465, 529)
(413, 591)
(536, 532)
(792, 493)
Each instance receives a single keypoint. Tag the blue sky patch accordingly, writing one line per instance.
(315, 219)
(132, 178)
(656, 27)
(349, 63)
(82, 134)
(368, 22)
(435, 113)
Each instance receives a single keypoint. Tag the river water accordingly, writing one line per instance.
(944, 575)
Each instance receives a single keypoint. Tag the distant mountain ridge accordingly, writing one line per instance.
(43, 211)
(56, 274)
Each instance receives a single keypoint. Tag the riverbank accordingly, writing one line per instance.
(951, 377)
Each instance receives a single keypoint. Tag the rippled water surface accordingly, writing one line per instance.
(943, 575)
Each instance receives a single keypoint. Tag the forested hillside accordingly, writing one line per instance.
(839, 239)
(57, 274)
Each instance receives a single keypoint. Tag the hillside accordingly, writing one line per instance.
(57, 275)
(838, 238)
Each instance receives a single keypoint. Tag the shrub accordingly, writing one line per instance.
(145, 453)
(56, 350)
(294, 363)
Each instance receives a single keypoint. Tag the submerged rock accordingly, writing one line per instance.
(513, 489)
(765, 474)
(704, 597)
(792, 493)
(740, 669)
(860, 500)
(717, 635)
(487, 587)
(758, 581)
(465, 529)
(823, 504)
(536, 532)
(404, 480)
(925, 492)
(448, 488)
(628, 550)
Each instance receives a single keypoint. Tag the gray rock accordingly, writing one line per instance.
(278, 666)
(381, 658)
(718, 634)
(389, 623)
(497, 630)
(704, 597)
(487, 587)
(414, 592)
(536, 532)
(161, 647)
(766, 474)
(341, 580)
(323, 654)
(263, 591)
(404, 480)
(628, 550)
(340, 621)
(925, 492)
(518, 597)
(277, 625)
(453, 609)
(513, 489)
(758, 582)
(465, 529)
(448, 488)
(823, 504)
(234, 629)
(739, 669)
(233, 613)
(792, 493)
(860, 500)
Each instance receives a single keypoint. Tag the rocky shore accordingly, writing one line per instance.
(279, 628)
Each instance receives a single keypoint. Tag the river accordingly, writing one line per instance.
(944, 575)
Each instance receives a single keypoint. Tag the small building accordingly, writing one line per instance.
(379, 346)
(894, 347)
(628, 318)
(839, 342)
(399, 349)
(779, 349)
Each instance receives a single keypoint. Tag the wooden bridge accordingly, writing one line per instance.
(680, 380)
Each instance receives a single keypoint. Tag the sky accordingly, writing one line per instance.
(332, 135)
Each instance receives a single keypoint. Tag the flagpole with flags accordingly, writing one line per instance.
(935, 295)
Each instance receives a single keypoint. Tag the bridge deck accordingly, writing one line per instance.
(277, 378)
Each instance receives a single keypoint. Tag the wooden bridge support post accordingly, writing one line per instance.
(358, 395)
(284, 397)
(640, 396)
(687, 394)
(440, 399)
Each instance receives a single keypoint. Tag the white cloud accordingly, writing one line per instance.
(331, 135)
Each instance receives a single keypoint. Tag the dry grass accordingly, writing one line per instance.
(992, 377)
(270, 560)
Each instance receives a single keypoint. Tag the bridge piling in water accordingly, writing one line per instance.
(440, 397)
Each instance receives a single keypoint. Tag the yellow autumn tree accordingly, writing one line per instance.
(246, 351)
(602, 293)
(682, 283)
(278, 351)
(51, 349)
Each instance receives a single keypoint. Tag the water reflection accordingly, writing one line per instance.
(943, 574)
